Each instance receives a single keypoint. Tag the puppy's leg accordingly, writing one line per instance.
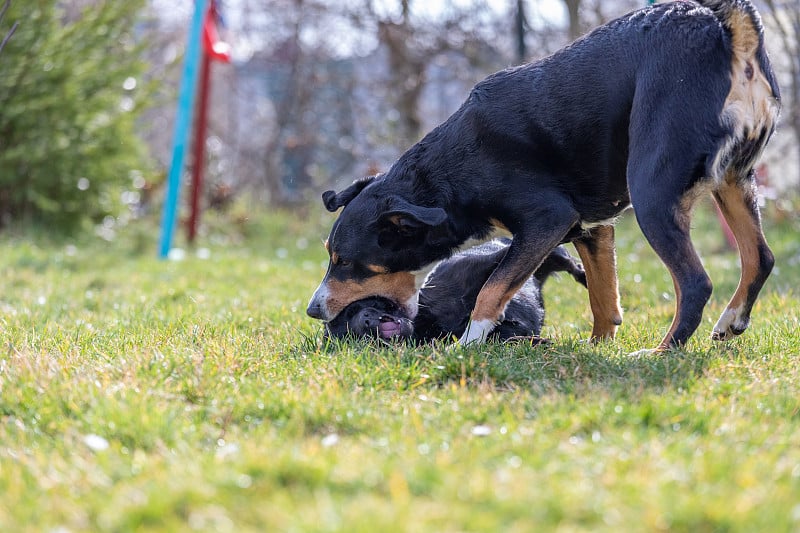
(599, 258)
(546, 223)
(737, 201)
(559, 260)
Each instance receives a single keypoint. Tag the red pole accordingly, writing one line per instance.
(213, 48)
(199, 145)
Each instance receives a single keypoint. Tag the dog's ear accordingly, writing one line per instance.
(334, 200)
(408, 218)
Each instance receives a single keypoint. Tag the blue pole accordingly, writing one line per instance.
(183, 120)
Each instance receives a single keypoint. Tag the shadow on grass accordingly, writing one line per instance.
(568, 367)
(574, 368)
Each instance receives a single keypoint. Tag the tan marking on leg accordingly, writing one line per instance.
(600, 264)
(737, 204)
(492, 301)
(666, 342)
(747, 232)
(488, 311)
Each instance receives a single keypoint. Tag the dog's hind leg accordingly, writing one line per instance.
(662, 199)
(600, 263)
(668, 234)
(736, 199)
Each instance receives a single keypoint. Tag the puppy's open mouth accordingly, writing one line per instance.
(371, 317)
(390, 326)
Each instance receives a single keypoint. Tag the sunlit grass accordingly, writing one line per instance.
(147, 395)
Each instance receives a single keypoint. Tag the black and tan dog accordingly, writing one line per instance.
(448, 296)
(649, 111)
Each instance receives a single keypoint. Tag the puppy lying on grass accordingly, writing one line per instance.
(448, 296)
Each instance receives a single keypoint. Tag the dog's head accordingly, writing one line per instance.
(379, 246)
(371, 317)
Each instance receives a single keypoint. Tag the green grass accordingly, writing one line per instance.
(143, 395)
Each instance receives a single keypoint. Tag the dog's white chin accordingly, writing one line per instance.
(411, 306)
(421, 275)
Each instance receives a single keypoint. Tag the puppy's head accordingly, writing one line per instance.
(371, 317)
(379, 246)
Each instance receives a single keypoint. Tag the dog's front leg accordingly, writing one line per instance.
(600, 263)
(544, 228)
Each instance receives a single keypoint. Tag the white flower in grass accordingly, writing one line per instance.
(95, 442)
(330, 440)
(481, 431)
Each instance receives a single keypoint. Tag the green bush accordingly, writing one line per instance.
(68, 105)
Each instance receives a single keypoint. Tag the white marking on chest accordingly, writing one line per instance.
(496, 233)
(586, 225)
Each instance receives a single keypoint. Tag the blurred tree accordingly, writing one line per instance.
(13, 28)
(573, 13)
(415, 41)
(583, 15)
(285, 97)
(329, 91)
(520, 27)
(782, 18)
(346, 85)
(68, 102)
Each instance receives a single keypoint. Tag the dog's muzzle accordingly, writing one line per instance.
(317, 307)
(314, 310)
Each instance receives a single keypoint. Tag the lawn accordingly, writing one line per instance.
(147, 395)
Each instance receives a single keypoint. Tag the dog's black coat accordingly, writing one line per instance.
(448, 296)
(645, 111)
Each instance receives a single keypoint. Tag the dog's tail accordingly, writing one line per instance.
(742, 20)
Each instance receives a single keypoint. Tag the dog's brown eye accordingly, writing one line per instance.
(345, 263)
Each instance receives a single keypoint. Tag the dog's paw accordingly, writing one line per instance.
(730, 324)
(476, 332)
(647, 352)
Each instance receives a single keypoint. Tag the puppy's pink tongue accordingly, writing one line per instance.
(388, 329)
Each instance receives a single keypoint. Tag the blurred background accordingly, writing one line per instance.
(318, 93)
